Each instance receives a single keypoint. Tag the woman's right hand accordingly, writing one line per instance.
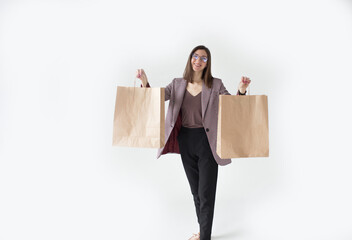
(140, 74)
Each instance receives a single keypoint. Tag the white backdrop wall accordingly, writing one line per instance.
(60, 63)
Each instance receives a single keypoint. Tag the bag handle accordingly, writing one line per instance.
(134, 87)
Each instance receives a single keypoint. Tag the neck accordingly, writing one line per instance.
(197, 77)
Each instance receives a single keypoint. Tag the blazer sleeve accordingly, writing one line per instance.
(147, 85)
(222, 90)
(239, 93)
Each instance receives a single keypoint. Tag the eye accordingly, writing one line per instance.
(205, 59)
(195, 56)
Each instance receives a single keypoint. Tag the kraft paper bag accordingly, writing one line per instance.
(139, 119)
(243, 126)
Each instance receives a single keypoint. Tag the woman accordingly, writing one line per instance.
(191, 130)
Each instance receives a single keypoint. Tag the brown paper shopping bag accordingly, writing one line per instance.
(243, 126)
(139, 119)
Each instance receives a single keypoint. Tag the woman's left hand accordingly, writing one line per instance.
(245, 81)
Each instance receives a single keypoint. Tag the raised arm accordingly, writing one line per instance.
(223, 90)
(143, 77)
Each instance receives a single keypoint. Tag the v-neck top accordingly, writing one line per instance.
(191, 110)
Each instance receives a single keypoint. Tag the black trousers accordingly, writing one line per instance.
(202, 173)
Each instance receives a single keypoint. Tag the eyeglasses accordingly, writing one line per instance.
(196, 57)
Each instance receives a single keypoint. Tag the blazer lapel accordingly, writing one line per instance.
(205, 98)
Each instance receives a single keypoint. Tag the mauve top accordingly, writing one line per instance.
(191, 109)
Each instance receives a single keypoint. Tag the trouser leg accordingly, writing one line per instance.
(201, 171)
(192, 174)
(190, 165)
(208, 173)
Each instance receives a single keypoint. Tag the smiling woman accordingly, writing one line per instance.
(199, 66)
(191, 130)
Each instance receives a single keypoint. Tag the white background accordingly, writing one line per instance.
(60, 63)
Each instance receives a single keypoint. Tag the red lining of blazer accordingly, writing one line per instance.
(171, 146)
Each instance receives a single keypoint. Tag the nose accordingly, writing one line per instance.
(198, 60)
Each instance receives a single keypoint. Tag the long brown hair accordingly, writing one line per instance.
(206, 75)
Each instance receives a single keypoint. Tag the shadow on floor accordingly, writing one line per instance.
(228, 235)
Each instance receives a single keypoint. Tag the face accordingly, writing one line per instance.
(198, 59)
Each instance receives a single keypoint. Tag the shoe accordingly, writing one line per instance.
(195, 236)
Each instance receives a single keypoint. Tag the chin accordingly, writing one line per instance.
(200, 70)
